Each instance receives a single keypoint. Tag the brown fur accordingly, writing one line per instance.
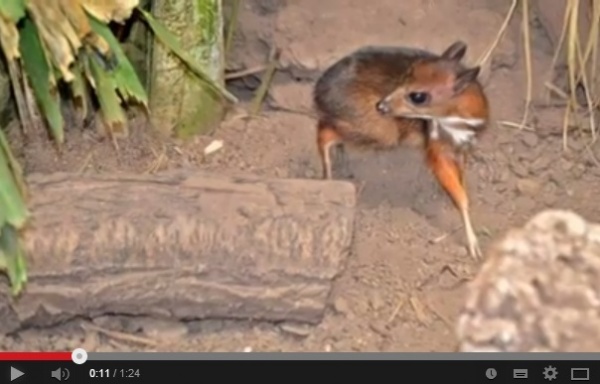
(364, 100)
(439, 79)
(346, 94)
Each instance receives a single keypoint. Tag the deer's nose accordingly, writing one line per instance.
(383, 107)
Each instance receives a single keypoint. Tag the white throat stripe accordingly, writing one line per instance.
(455, 120)
(451, 126)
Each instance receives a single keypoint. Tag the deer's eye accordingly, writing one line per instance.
(418, 98)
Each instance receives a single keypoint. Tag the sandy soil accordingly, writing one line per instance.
(403, 287)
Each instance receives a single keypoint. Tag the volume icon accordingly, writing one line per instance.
(61, 374)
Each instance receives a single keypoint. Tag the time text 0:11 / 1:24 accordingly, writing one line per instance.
(114, 373)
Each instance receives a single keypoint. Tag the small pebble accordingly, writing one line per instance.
(163, 330)
(376, 302)
(566, 165)
(530, 139)
(340, 305)
(578, 171)
(519, 169)
(214, 146)
(541, 164)
(296, 329)
(528, 187)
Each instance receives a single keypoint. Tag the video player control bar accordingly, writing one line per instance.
(80, 367)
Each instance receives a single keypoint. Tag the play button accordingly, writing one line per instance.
(15, 373)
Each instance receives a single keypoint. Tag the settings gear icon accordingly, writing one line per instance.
(550, 373)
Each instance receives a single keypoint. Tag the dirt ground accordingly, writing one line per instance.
(405, 281)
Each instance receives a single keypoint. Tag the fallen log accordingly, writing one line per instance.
(181, 245)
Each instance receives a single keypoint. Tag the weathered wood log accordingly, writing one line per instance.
(182, 245)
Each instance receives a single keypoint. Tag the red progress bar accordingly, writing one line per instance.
(35, 356)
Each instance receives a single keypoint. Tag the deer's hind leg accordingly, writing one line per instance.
(332, 151)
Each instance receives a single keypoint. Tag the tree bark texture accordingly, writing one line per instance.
(180, 101)
(181, 245)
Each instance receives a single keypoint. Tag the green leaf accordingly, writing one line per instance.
(3, 217)
(13, 9)
(13, 163)
(126, 79)
(78, 87)
(12, 258)
(171, 42)
(39, 72)
(110, 104)
(12, 205)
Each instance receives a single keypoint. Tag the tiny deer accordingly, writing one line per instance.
(384, 97)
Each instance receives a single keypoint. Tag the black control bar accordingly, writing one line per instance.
(307, 371)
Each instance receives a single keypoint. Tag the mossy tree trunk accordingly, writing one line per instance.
(179, 101)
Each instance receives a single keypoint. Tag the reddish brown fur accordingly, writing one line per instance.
(362, 101)
(446, 167)
(346, 95)
(438, 80)
(472, 103)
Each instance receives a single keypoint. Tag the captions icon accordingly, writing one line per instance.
(520, 373)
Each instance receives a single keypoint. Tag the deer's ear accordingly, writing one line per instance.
(465, 77)
(455, 52)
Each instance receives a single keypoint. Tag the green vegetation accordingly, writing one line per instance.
(70, 42)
